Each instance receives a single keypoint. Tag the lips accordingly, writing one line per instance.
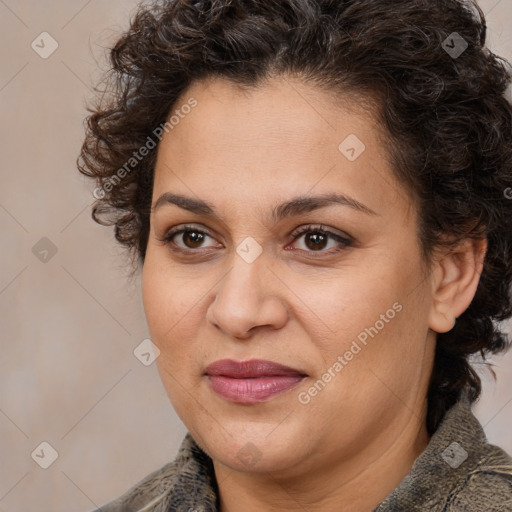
(251, 381)
(250, 369)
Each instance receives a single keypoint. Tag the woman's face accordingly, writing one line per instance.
(253, 279)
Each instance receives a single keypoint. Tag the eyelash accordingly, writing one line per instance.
(318, 229)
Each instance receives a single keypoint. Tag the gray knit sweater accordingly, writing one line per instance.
(459, 471)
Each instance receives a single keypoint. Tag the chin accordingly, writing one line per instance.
(250, 448)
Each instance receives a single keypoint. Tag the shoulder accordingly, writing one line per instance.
(187, 483)
(488, 484)
(459, 471)
(148, 492)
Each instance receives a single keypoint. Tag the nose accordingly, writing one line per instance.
(247, 300)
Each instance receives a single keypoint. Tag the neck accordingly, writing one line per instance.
(357, 484)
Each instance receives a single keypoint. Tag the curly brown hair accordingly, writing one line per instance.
(441, 100)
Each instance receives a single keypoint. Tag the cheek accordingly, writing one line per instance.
(166, 298)
(348, 303)
(156, 299)
(172, 309)
(372, 317)
(169, 310)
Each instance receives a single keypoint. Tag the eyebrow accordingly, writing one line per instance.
(295, 206)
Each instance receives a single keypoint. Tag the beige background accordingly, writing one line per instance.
(69, 326)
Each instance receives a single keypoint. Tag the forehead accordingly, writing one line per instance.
(281, 111)
(283, 136)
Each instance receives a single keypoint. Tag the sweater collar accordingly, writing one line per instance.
(454, 450)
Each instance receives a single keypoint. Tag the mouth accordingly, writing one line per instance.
(251, 381)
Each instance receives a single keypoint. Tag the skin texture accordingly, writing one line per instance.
(297, 303)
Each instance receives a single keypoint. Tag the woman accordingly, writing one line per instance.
(318, 193)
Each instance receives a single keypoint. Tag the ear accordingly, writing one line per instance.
(455, 279)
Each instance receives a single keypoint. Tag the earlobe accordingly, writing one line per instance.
(455, 280)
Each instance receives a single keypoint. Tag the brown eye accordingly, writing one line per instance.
(192, 239)
(316, 240)
(187, 238)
